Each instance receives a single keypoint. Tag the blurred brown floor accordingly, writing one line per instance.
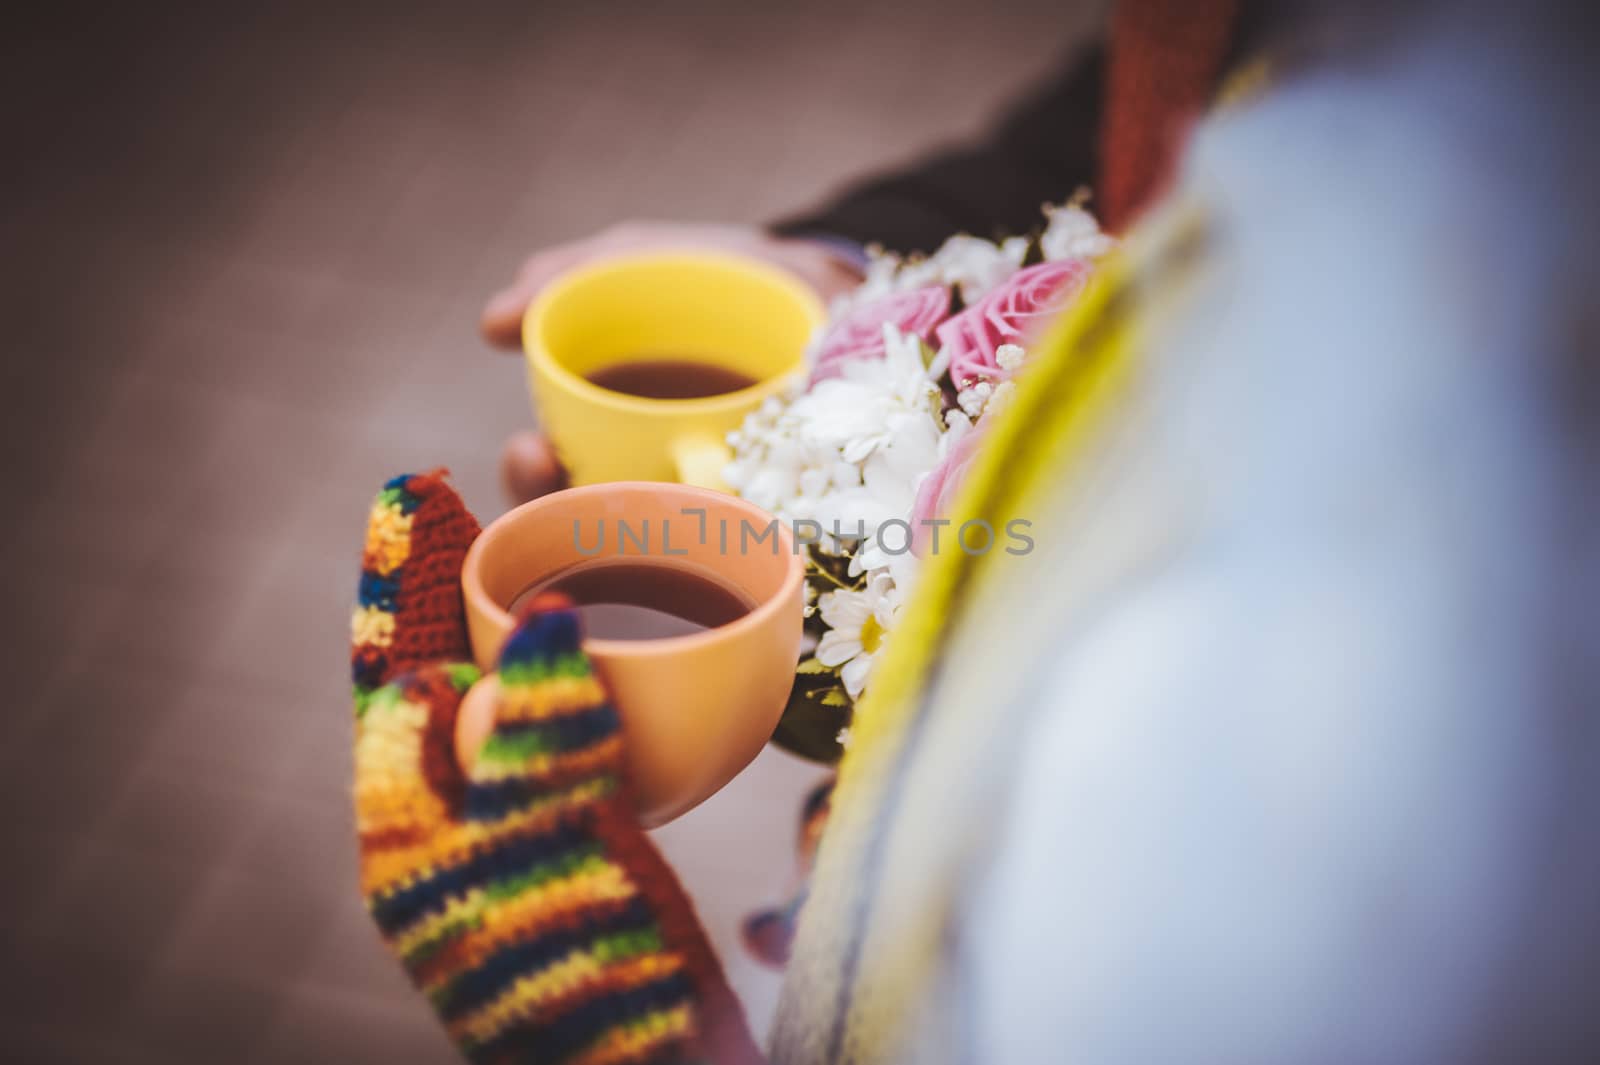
(244, 255)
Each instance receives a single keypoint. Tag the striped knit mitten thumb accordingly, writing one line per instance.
(523, 898)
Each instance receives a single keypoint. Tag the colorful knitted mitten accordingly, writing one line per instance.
(523, 898)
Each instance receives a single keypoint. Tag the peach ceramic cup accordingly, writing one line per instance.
(695, 709)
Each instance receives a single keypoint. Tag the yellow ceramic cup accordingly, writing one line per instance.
(695, 709)
(724, 310)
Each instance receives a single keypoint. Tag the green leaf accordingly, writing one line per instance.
(832, 570)
(808, 728)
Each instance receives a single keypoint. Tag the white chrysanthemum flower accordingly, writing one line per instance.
(881, 419)
(882, 505)
(862, 407)
(857, 623)
(1073, 233)
(847, 451)
(850, 452)
(894, 485)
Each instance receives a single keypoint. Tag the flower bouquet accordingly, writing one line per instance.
(863, 458)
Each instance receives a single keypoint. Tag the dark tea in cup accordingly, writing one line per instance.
(670, 377)
(696, 706)
(631, 599)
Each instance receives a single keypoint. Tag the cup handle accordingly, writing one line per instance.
(699, 459)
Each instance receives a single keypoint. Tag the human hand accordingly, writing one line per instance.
(528, 465)
(515, 885)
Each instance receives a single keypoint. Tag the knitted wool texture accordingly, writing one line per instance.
(524, 899)
(1165, 58)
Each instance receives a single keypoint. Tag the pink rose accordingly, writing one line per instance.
(859, 334)
(1009, 314)
(937, 493)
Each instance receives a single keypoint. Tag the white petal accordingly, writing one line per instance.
(855, 674)
(845, 611)
(858, 449)
(836, 648)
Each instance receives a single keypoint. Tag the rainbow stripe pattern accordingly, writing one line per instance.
(388, 545)
(523, 898)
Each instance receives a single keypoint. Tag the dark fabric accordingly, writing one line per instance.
(1051, 143)
(1041, 151)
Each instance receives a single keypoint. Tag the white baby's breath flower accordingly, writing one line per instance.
(1072, 233)
(974, 265)
(880, 278)
(885, 274)
(918, 272)
(970, 263)
(773, 469)
(974, 398)
(1009, 357)
(1000, 398)
(857, 623)
(982, 395)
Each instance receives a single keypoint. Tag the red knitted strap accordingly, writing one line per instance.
(723, 1037)
(429, 601)
(1165, 57)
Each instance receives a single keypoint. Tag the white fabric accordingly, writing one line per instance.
(1325, 788)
